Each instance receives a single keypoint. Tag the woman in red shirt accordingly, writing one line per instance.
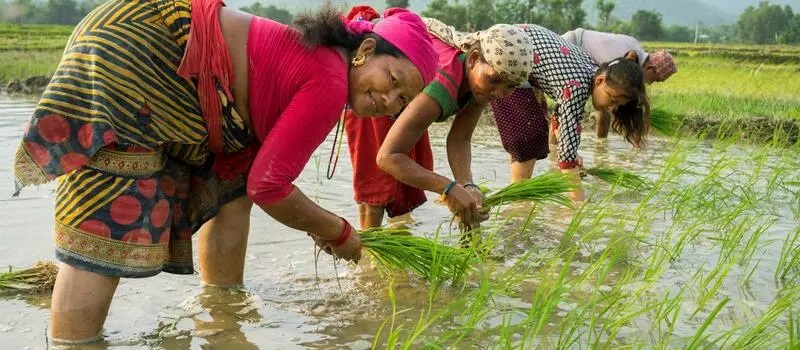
(165, 115)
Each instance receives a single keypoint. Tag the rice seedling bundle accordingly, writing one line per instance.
(39, 278)
(548, 187)
(664, 122)
(395, 249)
(620, 178)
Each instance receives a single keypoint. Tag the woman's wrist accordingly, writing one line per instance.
(333, 229)
(470, 184)
(344, 234)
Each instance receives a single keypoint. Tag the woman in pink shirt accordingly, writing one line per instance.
(170, 117)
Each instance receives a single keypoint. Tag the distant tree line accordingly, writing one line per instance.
(763, 24)
(68, 12)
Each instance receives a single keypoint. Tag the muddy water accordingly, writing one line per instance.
(287, 303)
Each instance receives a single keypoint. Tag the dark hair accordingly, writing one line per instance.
(632, 119)
(327, 28)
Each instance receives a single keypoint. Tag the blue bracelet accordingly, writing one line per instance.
(449, 187)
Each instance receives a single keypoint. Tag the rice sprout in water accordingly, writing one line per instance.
(619, 177)
(395, 249)
(549, 187)
(38, 278)
(664, 122)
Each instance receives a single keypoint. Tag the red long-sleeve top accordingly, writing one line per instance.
(296, 95)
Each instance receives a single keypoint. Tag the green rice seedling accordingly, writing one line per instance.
(39, 278)
(667, 314)
(762, 333)
(710, 284)
(788, 269)
(394, 333)
(551, 291)
(664, 122)
(607, 306)
(548, 187)
(395, 249)
(619, 177)
(748, 250)
(21, 64)
(471, 306)
(793, 328)
(699, 340)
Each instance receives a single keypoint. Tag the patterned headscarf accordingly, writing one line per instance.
(663, 64)
(505, 47)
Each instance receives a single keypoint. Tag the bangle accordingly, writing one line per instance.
(344, 236)
(449, 187)
(470, 184)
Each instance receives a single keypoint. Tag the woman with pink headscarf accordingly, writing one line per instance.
(170, 117)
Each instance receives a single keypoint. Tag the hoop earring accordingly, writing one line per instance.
(358, 60)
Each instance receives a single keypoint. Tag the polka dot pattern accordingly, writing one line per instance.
(54, 128)
(125, 210)
(146, 212)
(522, 123)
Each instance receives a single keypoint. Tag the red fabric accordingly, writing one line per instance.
(230, 165)
(371, 185)
(663, 63)
(206, 58)
(296, 97)
(362, 13)
(205, 61)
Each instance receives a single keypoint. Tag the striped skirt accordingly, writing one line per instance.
(126, 139)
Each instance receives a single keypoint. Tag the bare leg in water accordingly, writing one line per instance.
(80, 304)
(602, 123)
(522, 170)
(370, 215)
(222, 244)
(81, 299)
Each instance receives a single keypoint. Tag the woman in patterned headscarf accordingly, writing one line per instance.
(568, 75)
(551, 65)
(474, 70)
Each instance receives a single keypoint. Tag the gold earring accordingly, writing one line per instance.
(358, 60)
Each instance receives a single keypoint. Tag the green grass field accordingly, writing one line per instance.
(714, 87)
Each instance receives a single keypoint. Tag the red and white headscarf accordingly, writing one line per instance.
(663, 63)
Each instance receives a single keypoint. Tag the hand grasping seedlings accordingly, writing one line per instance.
(396, 249)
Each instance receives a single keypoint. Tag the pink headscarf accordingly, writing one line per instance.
(403, 29)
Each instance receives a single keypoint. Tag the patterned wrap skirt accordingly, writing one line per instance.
(521, 120)
(125, 138)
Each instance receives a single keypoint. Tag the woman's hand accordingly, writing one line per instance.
(476, 193)
(347, 246)
(464, 207)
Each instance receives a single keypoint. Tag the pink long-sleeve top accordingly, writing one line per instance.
(296, 96)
